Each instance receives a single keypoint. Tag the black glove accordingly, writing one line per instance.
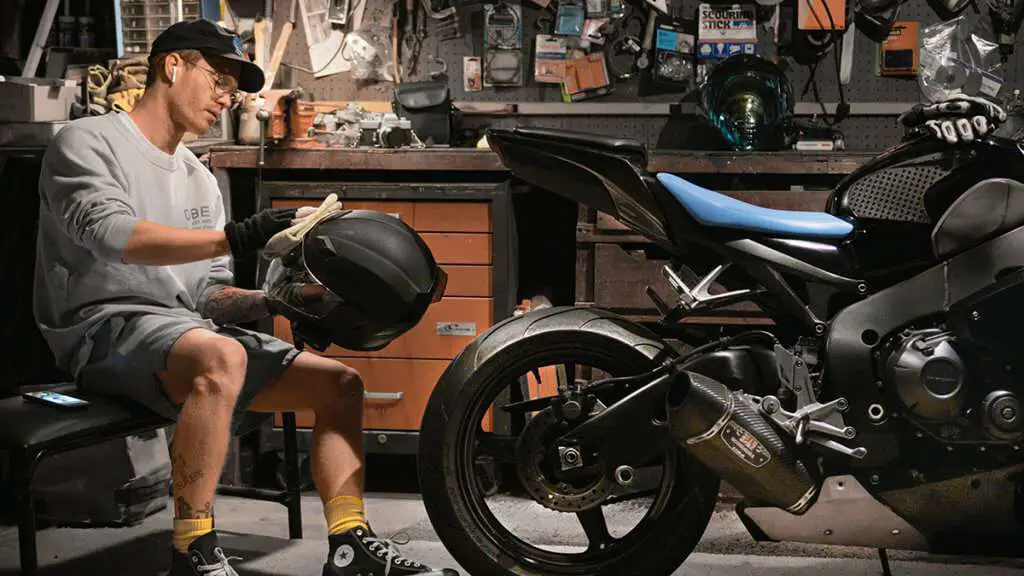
(250, 235)
(957, 119)
(314, 336)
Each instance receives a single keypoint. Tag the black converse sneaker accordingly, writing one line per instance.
(204, 558)
(359, 552)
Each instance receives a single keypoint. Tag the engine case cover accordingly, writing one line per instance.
(928, 375)
(1000, 416)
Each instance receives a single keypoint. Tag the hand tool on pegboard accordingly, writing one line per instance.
(262, 116)
(449, 26)
(1006, 16)
(849, 49)
(339, 12)
(414, 32)
(282, 43)
(442, 64)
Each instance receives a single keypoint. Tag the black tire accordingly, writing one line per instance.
(689, 503)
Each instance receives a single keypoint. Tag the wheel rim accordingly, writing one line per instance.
(592, 521)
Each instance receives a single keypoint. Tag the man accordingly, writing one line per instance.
(134, 298)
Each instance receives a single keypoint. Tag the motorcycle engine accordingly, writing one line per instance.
(944, 387)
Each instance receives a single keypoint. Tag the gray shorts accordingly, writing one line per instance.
(129, 351)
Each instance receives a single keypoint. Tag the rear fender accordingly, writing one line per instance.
(509, 339)
(630, 428)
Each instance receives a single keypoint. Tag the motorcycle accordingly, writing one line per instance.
(882, 409)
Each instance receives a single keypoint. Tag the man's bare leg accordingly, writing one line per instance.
(204, 374)
(335, 394)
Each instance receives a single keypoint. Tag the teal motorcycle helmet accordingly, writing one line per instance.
(749, 99)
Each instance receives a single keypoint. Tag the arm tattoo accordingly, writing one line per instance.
(232, 305)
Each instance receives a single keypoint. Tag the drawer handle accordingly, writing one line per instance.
(384, 395)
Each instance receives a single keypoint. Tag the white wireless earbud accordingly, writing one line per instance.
(174, 75)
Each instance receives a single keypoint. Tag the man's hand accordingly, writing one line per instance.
(957, 119)
(250, 235)
(294, 295)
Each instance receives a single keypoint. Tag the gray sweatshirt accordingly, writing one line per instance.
(99, 177)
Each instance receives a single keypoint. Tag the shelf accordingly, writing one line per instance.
(470, 159)
(836, 163)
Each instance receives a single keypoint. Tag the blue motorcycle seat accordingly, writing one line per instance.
(715, 209)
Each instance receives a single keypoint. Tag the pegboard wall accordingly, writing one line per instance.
(860, 132)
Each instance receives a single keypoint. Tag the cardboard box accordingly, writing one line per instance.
(25, 99)
(898, 54)
(814, 14)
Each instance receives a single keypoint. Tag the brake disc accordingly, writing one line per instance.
(553, 494)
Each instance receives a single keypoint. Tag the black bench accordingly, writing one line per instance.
(32, 432)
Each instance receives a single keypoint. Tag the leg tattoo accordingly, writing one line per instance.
(185, 511)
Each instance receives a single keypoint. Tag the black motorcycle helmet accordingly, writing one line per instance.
(358, 279)
(749, 100)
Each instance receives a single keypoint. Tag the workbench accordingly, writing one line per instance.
(476, 160)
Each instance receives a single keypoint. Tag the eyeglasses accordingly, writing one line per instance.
(224, 84)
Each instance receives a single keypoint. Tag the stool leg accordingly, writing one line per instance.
(23, 471)
(291, 475)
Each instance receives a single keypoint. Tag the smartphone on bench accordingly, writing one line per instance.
(55, 399)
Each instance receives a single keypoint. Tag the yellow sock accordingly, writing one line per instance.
(187, 531)
(344, 513)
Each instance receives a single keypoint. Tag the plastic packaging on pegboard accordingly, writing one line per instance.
(369, 51)
(957, 59)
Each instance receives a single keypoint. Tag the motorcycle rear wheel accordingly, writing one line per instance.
(451, 495)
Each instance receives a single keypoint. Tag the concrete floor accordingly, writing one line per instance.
(257, 532)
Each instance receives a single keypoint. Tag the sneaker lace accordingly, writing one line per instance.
(387, 548)
(221, 568)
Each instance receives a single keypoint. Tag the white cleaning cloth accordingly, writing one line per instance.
(280, 243)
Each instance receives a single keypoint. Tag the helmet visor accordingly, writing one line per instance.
(296, 288)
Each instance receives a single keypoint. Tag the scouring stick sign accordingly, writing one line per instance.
(724, 30)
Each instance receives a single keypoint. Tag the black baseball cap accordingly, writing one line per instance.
(211, 39)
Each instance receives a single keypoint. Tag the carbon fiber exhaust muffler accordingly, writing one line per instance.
(727, 435)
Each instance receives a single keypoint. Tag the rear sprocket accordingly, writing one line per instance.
(536, 466)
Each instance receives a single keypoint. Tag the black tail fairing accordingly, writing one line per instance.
(607, 174)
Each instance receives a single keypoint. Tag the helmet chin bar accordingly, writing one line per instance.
(440, 285)
(317, 338)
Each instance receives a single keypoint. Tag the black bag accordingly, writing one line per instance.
(428, 106)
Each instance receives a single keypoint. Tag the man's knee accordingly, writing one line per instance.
(345, 386)
(206, 364)
(222, 367)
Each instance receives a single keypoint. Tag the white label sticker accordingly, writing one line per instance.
(990, 85)
(456, 328)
